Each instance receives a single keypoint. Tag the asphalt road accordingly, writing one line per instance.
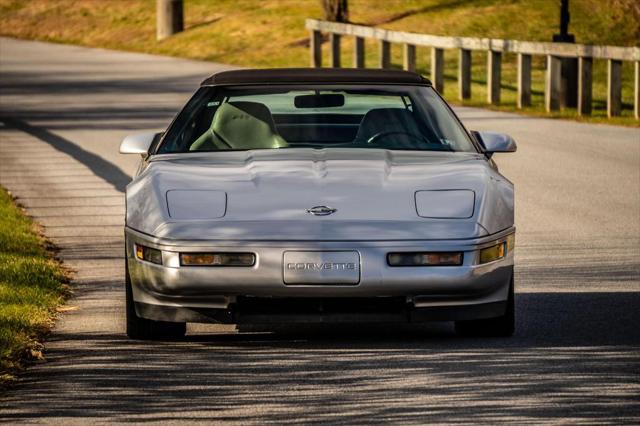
(575, 356)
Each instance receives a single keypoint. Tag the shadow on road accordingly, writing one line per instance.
(99, 166)
(544, 319)
(93, 82)
(89, 101)
(564, 341)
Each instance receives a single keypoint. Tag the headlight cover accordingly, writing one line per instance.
(195, 204)
(445, 204)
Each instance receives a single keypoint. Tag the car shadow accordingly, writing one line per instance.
(547, 319)
(564, 341)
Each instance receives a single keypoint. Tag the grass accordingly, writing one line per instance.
(31, 288)
(270, 33)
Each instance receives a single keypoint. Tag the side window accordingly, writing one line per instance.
(186, 124)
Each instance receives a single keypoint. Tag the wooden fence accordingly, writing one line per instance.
(554, 52)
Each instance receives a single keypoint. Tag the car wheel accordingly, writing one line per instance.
(145, 329)
(502, 326)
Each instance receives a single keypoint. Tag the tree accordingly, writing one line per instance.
(335, 10)
(169, 18)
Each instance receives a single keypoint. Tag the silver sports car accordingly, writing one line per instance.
(318, 195)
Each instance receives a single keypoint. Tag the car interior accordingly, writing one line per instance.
(309, 119)
(245, 125)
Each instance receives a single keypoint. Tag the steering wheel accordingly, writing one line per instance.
(380, 135)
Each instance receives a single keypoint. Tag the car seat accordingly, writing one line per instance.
(387, 120)
(241, 126)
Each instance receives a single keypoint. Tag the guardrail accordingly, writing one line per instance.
(554, 53)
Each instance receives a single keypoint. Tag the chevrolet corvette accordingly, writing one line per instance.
(318, 196)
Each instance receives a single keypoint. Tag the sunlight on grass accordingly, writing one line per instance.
(31, 287)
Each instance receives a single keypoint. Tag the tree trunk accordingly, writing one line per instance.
(336, 10)
(169, 18)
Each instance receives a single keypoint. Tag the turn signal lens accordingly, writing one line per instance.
(149, 254)
(217, 259)
(425, 259)
(511, 242)
(492, 253)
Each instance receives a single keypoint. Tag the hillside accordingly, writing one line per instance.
(271, 33)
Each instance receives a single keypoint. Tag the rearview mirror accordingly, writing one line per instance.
(138, 144)
(319, 101)
(496, 142)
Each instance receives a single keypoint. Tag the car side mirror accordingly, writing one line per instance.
(139, 143)
(495, 142)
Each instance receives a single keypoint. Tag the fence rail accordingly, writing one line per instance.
(554, 53)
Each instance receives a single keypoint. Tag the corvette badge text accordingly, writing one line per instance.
(322, 266)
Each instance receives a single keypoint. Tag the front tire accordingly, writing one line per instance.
(145, 329)
(502, 326)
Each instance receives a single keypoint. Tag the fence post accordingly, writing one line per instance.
(385, 54)
(334, 40)
(437, 69)
(169, 18)
(637, 91)
(464, 74)
(316, 48)
(614, 87)
(524, 80)
(494, 65)
(358, 52)
(555, 95)
(409, 62)
(552, 83)
(584, 85)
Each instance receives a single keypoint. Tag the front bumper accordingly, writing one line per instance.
(172, 292)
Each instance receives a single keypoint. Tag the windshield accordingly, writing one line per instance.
(228, 118)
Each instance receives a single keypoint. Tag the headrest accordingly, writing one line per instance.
(245, 125)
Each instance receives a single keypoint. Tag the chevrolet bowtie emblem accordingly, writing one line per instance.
(321, 211)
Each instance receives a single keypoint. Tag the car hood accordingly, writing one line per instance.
(265, 195)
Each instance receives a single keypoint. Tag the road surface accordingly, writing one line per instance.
(575, 355)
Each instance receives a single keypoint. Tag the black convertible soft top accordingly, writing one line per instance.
(314, 75)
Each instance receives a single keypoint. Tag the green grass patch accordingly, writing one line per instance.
(271, 33)
(31, 288)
